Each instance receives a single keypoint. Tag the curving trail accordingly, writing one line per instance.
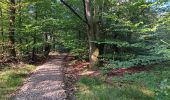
(46, 83)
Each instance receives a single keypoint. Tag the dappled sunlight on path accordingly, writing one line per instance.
(46, 83)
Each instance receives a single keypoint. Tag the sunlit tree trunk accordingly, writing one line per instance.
(91, 31)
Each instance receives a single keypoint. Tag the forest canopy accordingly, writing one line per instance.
(119, 32)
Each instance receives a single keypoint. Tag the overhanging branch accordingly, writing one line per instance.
(72, 10)
(84, 5)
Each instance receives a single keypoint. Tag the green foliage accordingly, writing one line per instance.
(156, 80)
(131, 35)
(148, 85)
(129, 31)
(140, 60)
(90, 81)
(163, 92)
(77, 47)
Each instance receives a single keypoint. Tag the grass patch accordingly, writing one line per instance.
(152, 85)
(12, 78)
(95, 89)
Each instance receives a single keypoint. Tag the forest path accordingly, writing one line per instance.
(46, 83)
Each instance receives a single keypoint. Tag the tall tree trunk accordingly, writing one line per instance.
(20, 23)
(34, 37)
(1, 28)
(1, 24)
(12, 11)
(54, 43)
(91, 30)
(93, 50)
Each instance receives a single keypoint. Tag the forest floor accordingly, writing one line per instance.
(45, 83)
(133, 83)
(63, 77)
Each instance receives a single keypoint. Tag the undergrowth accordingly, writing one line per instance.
(150, 85)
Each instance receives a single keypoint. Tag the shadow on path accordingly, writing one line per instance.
(46, 83)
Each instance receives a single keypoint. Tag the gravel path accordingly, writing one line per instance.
(46, 83)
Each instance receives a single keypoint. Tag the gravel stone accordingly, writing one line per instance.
(46, 83)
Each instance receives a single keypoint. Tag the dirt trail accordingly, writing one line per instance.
(46, 83)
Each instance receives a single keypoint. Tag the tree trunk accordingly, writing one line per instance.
(33, 49)
(93, 50)
(20, 24)
(12, 10)
(2, 29)
(34, 38)
(47, 47)
(1, 24)
(91, 30)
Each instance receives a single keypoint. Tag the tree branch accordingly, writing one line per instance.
(68, 6)
(85, 15)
